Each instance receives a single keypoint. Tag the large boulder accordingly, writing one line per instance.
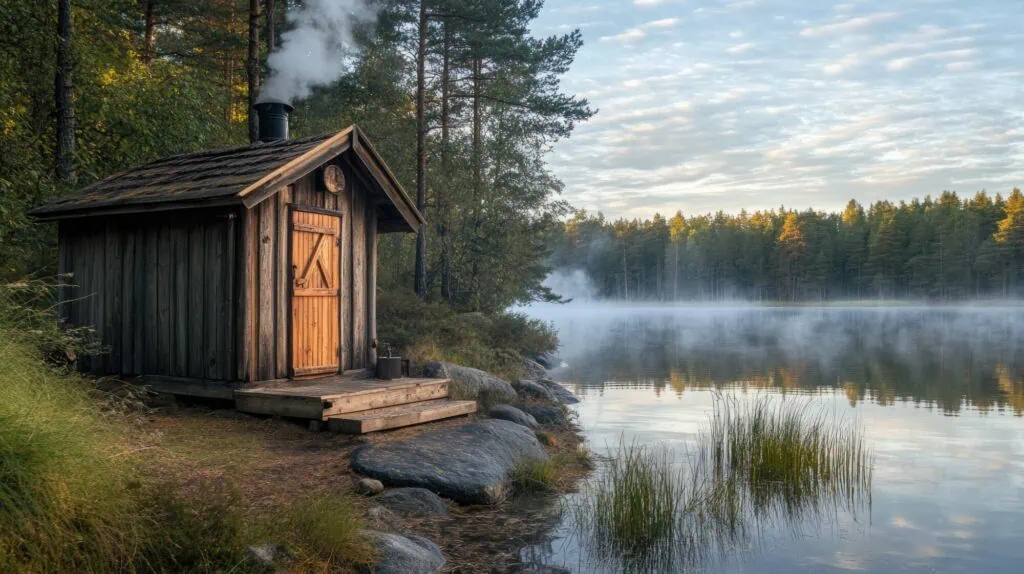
(405, 554)
(533, 390)
(549, 415)
(471, 384)
(561, 393)
(413, 502)
(469, 464)
(533, 370)
(510, 413)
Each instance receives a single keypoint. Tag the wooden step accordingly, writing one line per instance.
(399, 416)
(320, 399)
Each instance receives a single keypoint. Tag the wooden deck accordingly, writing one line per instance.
(325, 397)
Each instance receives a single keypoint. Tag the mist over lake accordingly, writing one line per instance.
(938, 390)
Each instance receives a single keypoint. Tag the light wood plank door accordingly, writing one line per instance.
(316, 278)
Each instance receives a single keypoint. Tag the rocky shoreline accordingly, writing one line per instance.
(430, 479)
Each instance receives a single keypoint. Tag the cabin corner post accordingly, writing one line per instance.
(246, 297)
(371, 288)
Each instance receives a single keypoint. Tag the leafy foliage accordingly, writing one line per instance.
(427, 331)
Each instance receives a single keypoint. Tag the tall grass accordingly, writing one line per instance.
(74, 498)
(753, 464)
(792, 456)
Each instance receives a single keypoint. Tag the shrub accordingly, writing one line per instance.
(426, 331)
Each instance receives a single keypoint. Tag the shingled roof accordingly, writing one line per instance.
(239, 175)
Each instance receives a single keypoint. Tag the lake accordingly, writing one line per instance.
(939, 392)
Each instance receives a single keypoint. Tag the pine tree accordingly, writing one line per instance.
(1010, 239)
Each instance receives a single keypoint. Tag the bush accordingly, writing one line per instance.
(425, 331)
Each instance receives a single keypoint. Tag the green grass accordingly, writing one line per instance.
(76, 496)
(755, 463)
(324, 533)
(539, 475)
(789, 455)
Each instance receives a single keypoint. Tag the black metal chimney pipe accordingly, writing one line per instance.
(273, 117)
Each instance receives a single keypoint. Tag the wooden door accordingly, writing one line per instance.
(316, 278)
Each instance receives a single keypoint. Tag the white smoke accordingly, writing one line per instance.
(572, 284)
(317, 48)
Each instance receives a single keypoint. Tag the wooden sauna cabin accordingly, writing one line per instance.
(230, 270)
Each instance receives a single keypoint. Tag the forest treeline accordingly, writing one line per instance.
(457, 95)
(943, 248)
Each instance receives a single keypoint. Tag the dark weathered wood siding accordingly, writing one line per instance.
(159, 291)
(205, 294)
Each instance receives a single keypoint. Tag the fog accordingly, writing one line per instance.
(944, 354)
(316, 49)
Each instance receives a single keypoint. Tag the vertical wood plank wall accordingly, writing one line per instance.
(206, 295)
(158, 290)
(272, 275)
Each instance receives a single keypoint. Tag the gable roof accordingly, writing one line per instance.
(235, 176)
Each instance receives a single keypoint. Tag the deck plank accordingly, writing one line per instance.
(399, 416)
(337, 395)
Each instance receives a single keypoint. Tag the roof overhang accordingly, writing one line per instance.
(363, 158)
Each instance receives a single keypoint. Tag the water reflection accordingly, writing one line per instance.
(949, 358)
(948, 491)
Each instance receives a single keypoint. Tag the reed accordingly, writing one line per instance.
(753, 463)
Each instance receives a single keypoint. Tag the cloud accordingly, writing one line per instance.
(848, 25)
(631, 35)
(647, 3)
(822, 106)
(900, 64)
(663, 23)
(628, 37)
(740, 48)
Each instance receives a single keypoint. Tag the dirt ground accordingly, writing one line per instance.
(269, 462)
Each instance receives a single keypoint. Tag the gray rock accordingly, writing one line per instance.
(469, 464)
(381, 518)
(547, 361)
(405, 554)
(532, 390)
(471, 384)
(533, 370)
(413, 502)
(545, 414)
(561, 393)
(510, 413)
(270, 557)
(369, 486)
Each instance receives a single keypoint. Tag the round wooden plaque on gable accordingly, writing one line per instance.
(334, 179)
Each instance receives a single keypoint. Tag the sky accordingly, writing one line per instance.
(708, 105)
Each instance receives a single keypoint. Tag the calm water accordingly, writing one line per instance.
(939, 391)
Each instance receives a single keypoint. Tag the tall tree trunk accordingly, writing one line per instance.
(252, 68)
(147, 43)
(477, 151)
(230, 69)
(444, 207)
(64, 152)
(269, 14)
(477, 161)
(420, 279)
